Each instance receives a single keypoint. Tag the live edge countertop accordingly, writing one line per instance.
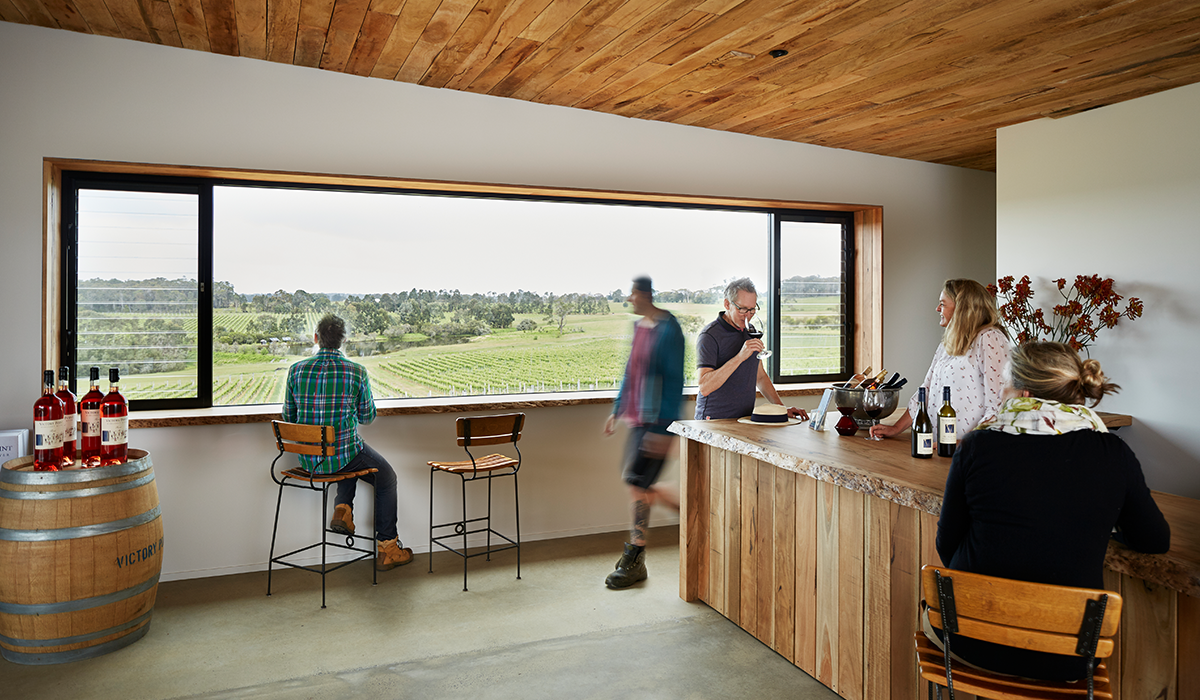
(885, 469)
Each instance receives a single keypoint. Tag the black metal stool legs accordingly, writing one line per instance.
(517, 517)
(463, 526)
(431, 473)
(274, 532)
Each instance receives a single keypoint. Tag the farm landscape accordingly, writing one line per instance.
(415, 344)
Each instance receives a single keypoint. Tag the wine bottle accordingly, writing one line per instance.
(876, 381)
(47, 428)
(114, 423)
(861, 379)
(69, 415)
(947, 426)
(857, 379)
(922, 430)
(89, 427)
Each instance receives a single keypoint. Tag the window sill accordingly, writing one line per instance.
(264, 413)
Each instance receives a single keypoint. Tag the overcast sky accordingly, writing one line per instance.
(360, 243)
(371, 243)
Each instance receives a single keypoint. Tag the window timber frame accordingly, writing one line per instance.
(866, 267)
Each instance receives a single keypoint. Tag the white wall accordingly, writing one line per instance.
(79, 96)
(1116, 192)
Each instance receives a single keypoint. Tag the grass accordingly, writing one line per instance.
(589, 355)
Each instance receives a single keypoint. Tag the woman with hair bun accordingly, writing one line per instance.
(969, 360)
(1035, 494)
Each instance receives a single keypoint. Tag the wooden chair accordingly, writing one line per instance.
(313, 440)
(1040, 617)
(478, 432)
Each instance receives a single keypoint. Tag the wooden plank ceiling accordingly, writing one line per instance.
(929, 80)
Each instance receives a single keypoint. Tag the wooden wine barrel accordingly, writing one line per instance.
(80, 557)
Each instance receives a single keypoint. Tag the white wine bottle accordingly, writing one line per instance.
(947, 427)
(922, 430)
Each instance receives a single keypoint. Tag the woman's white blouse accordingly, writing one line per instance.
(975, 380)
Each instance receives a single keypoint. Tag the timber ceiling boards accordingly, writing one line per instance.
(929, 80)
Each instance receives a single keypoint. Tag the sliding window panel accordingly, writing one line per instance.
(137, 299)
(813, 319)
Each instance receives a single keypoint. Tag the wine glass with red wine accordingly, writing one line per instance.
(757, 333)
(873, 403)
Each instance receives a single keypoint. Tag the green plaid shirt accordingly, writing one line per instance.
(328, 389)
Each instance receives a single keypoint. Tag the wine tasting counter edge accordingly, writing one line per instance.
(813, 542)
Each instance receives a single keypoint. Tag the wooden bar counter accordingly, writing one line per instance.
(813, 542)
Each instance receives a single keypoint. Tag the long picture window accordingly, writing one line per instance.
(203, 291)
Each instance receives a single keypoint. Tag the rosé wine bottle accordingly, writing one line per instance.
(89, 414)
(47, 428)
(114, 423)
(69, 416)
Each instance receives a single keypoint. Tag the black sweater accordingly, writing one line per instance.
(1042, 508)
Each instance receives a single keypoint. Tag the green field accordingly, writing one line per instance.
(589, 355)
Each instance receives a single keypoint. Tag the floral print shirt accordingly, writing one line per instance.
(975, 380)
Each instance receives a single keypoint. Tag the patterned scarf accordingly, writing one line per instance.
(1027, 415)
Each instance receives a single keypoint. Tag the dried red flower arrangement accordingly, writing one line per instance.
(1089, 304)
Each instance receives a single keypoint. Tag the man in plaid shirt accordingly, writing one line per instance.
(328, 389)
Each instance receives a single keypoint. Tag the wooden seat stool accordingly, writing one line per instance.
(1035, 616)
(313, 440)
(475, 432)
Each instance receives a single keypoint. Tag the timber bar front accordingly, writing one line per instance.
(813, 542)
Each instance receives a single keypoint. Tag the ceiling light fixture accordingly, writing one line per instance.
(778, 53)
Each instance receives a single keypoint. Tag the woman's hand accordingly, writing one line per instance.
(885, 431)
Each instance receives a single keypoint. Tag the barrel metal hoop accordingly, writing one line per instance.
(75, 605)
(62, 657)
(64, 641)
(74, 476)
(74, 533)
(76, 493)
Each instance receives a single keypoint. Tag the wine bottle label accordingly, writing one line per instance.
(114, 430)
(68, 428)
(924, 444)
(90, 427)
(947, 430)
(48, 434)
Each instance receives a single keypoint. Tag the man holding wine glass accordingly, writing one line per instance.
(728, 351)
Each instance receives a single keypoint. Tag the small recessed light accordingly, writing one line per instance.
(778, 53)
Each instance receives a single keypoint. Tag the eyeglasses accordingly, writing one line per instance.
(748, 312)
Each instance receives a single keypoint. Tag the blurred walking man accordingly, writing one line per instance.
(649, 401)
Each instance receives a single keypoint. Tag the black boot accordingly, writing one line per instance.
(631, 568)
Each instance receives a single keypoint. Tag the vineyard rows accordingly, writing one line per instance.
(592, 365)
(588, 365)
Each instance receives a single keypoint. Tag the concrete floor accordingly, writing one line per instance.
(557, 633)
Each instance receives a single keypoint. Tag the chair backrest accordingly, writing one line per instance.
(490, 430)
(305, 439)
(1035, 616)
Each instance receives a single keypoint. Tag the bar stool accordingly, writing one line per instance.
(476, 432)
(1020, 614)
(312, 440)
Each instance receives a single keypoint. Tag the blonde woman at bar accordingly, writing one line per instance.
(970, 359)
(1036, 493)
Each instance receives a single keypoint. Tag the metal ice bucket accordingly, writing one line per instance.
(845, 398)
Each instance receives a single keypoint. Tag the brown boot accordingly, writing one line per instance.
(343, 520)
(391, 555)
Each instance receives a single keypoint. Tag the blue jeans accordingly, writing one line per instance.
(384, 482)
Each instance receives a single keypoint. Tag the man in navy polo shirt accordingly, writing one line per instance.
(727, 356)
